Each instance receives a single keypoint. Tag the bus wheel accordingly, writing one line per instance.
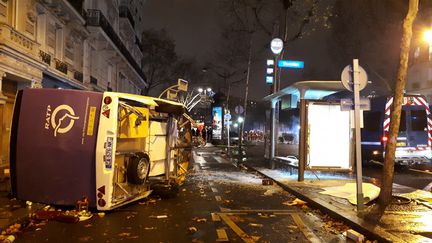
(138, 169)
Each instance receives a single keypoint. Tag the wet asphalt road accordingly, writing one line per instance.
(215, 186)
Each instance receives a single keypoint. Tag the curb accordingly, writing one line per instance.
(365, 230)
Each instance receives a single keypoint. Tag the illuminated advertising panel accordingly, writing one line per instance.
(217, 122)
(328, 137)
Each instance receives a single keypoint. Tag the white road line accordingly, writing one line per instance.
(214, 189)
(218, 198)
(219, 159)
(199, 159)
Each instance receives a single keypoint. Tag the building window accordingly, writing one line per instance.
(30, 23)
(69, 51)
(51, 37)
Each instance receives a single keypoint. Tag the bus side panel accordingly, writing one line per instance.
(372, 132)
(55, 146)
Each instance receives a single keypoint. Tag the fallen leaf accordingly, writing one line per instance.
(192, 230)
(125, 234)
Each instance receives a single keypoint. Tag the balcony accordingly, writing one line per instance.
(17, 41)
(45, 57)
(124, 12)
(61, 66)
(79, 76)
(97, 19)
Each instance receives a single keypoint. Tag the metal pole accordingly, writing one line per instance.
(303, 138)
(273, 129)
(273, 134)
(359, 176)
(228, 136)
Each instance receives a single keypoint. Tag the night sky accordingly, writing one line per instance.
(195, 27)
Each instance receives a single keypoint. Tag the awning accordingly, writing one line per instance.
(311, 89)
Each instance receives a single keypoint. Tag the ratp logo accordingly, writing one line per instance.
(61, 119)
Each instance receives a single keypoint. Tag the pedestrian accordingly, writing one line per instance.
(209, 133)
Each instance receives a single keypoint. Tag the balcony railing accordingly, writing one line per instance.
(124, 12)
(18, 41)
(61, 66)
(93, 80)
(95, 17)
(45, 57)
(79, 76)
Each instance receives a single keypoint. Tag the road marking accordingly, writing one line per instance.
(198, 159)
(421, 171)
(219, 159)
(245, 237)
(215, 217)
(218, 198)
(214, 189)
(275, 211)
(222, 235)
(308, 233)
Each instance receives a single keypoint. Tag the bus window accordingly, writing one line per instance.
(402, 127)
(418, 120)
(372, 121)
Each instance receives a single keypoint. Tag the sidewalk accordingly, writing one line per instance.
(14, 211)
(406, 220)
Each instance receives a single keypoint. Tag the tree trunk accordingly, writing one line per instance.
(387, 177)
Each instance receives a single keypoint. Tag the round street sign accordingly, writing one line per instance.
(276, 45)
(348, 81)
(227, 116)
(239, 109)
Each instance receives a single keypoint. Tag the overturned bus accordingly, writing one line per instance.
(112, 148)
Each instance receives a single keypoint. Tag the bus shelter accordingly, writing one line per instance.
(324, 127)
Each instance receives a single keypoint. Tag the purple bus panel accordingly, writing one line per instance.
(55, 141)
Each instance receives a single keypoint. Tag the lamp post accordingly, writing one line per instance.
(276, 47)
(240, 121)
(427, 36)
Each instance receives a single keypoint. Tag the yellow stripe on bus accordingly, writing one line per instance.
(91, 121)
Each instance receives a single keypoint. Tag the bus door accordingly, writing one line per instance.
(417, 130)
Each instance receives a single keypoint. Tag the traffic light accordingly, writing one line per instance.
(270, 71)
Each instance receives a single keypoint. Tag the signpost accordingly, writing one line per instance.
(354, 79)
(227, 118)
(239, 109)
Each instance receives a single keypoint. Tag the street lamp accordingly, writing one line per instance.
(427, 36)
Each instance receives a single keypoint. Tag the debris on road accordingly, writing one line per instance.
(158, 216)
(256, 225)
(200, 220)
(192, 230)
(354, 235)
(295, 202)
(267, 182)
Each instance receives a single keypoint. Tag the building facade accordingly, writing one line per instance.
(419, 77)
(73, 44)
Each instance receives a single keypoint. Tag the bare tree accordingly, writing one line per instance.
(388, 172)
(367, 30)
